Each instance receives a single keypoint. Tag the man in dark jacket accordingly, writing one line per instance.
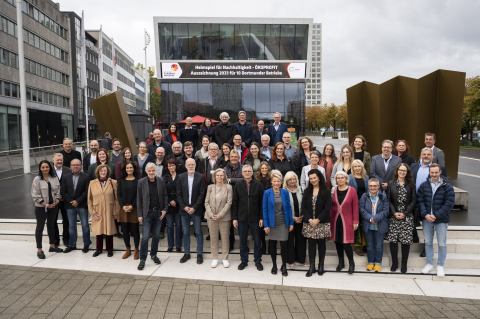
(188, 133)
(74, 191)
(159, 142)
(91, 158)
(106, 142)
(225, 131)
(68, 153)
(207, 165)
(178, 156)
(257, 135)
(436, 198)
(244, 129)
(247, 214)
(276, 129)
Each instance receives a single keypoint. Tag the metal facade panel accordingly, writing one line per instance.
(356, 110)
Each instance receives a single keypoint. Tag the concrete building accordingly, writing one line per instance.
(48, 78)
(140, 96)
(314, 84)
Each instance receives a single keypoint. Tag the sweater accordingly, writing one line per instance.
(348, 213)
(189, 135)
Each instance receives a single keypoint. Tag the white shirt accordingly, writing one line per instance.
(276, 126)
(304, 177)
(59, 173)
(239, 150)
(190, 188)
(386, 162)
(93, 159)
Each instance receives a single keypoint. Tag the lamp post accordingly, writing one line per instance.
(147, 75)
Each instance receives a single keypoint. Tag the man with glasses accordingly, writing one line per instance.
(208, 165)
(247, 214)
(159, 142)
(266, 149)
(159, 163)
(438, 154)
(245, 129)
(178, 156)
(383, 165)
(61, 171)
(257, 135)
(290, 149)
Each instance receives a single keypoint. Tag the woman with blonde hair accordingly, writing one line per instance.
(203, 151)
(264, 172)
(343, 164)
(103, 206)
(359, 180)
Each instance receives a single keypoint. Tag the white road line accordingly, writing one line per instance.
(471, 175)
(470, 158)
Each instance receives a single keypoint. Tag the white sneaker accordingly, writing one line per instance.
(427, 269)
(440, 271)
(214, 263)
(226, 264)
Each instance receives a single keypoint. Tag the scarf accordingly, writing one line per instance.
(401, 156)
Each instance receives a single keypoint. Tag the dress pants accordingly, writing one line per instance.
(224, 228)
(151, 222)
(41, 215)
(243, 233)
(66, 232)
(297, 245)
(108, 242)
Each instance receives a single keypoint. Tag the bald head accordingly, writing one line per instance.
(188, 121)
(237, 140)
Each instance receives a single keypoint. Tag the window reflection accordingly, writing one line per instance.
(287, 42)
(272, 44)
(262, 97)
(180, 41)
(242, 41)
(257, 42)
(301, 41)
(277, 102)
(195, 47)
(228, 42)
(211, 40)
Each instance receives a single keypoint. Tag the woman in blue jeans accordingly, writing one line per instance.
(374, 209)
(174, 222)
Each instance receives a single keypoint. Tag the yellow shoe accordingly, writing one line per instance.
(377, 268)
(369, 267)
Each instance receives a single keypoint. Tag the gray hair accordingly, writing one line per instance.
(107, 134)
(277, 113)
(266, 136)
(276, 173)
(288, 177)
(224, 114)
(67, 139)
(247, 166)
(388, 141)
(213, 145)
(219, 170)
(150, 165)
(426, 149)
(75, 159)
(177, 143)
(347, 179)
(374, 180)
(242, 112)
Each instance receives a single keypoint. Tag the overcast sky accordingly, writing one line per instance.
(362, 40)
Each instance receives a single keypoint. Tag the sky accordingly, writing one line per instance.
(362, 40)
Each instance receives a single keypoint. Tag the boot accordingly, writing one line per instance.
(311, 270)
(394, 252)
(136, 254)
(405, 253)
(341, 264)
(321, 268)
(351, 267)
(127, 253)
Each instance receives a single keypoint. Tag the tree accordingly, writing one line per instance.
(471, 104)
(330, 112)
(139, 67)
(342, 116)
(155, 97)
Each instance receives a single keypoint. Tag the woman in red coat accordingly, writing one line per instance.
(344, 220)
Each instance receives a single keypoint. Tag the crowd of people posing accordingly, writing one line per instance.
(257, 182)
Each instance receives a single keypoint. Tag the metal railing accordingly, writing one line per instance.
(13, 159)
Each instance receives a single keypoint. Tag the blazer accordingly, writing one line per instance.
(79, 195)
(299, 195)
(143, 196)
(203, 167)
(86, 162)
(39, 190)
(322, 208)
(304, 176)
(377, 169)
(294, 150)
(65, 171)
(257, 136)
(269, 208)
(152, 148)
(380, 217)
(273, 133)
(199, 191)
(438, 157)
(122, 192)
(392, 195)
(248, 132)
(416, 166)
(168, 138)
(171, 186)
(224, 207)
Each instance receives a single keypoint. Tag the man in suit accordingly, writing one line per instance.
(438, 154)
(90, 158)
(290, 150)
(60, 172)
(152, 205)
(191, 192)
(74, 190)
(68, 153)
(257, 135)
(238, 146)
(266, 150)
(188, 133)
(384, 165)
(106, 142)
(276, 129)
(159, 142)
(207, 165)
(244, 129)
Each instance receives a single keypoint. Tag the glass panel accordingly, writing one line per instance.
(228, 42)
(34, 95)
(176, 101)
(42, 44)
(241, 41)
(41, 18)
(47, 22)
(6, 89)
(257, 42)
(272, 45)
(301, 41)
(15, 92)
(4, 141)
(35, 14)
(190, 98)
(40, 97)
(248, 97)
(5, 57)
(262, 98)
(211, 41)
(287, 42)
(11, 28)
(205, 99)
(227, 97)
(195, 46)
(180, 41)
(292, 100)
(277, 101)
(29, 94)
(165, 31)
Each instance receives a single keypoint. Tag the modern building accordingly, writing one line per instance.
(48, 78)
(314, 83)
(140, 95)
(212, 65)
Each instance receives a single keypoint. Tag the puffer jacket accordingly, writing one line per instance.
(234, 173)
(442, 202)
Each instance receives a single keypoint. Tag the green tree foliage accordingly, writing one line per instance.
(155, 97)
(324, 116)
(471, 104)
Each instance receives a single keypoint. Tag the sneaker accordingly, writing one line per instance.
(214, 263)
(369, 267)
(226, 264)
(440, 271)
(377, 268)
(427, 269)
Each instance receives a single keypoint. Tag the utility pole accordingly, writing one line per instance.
(147, 75)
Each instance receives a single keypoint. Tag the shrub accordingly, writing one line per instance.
(464, 142)
(476, 143)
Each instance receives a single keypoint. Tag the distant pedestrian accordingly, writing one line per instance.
(106, 142)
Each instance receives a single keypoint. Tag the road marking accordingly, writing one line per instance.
(471, 175)
(470, 158)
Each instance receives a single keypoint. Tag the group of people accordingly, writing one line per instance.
(252, 181)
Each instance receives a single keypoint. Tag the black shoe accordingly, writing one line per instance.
(185, 258)
(283, 269)
(41, 255)
(65, 242)
(96, 253)
(242, 265)
(404, 267)
(118, 235)
(86, 248)
(156, 260)
(394, 266)
(311, 270)
(162, 235)
(351, 267)
(69, 249)
(179, 249)
(423, 254)
(55, 250)
(141, 265)
(57, 242)
(259, 266)
(341, 264)
(170, 249)
(110, 253)
(199, 259)
(416, 239)
(207, 238)
(321, 267)
(264, 249)
(274, 270)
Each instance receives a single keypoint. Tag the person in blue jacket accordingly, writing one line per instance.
(276, 129)
(435, 198)
(374, 209)
(277, 219)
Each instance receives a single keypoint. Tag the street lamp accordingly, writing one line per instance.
(147, 76)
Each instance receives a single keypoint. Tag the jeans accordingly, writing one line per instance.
(243, 233)
(374, 247)
(174, 230)
(151, 222)
(428, 233)
(197, 227)
(72, 226)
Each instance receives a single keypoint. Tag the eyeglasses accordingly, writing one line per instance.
(402, 170)
(373, 186)
(386, 147)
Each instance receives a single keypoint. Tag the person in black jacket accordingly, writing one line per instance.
(188, 133)
(174, 223)
(159, 142)
(90, 158)
(225, 131)
(302, 157)
(244, 129)
(402, 150)
(106, 142)
(211, 163)
(68, 153)
(74, 191)
(316, 205)
(247, 214)
(280, 161)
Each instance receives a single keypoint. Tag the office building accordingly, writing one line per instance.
(140, 96)
(48, 80)
(211, 65)
(314, 84)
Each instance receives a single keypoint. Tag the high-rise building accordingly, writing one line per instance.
(140, 96)
(48, 80)
(313, 91)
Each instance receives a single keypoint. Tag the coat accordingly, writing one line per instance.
(209, 132)
(304, 176)
(105, 143)
(257, 136)
(104, 203)
(322, 209)
(152, 148)
(442, 202)
(79, 195)
(247, 205)
(39, 190)
(377, 169)
(328, 172)
(224, 207)
(269, 208)
(299, 195)
(234, 173)
(86, 162)
(392, 196)
(143, 196)
(224, 133)
(248, 138)
(381, 216)
(273, 133)
(171, 186)
(348, 213)
(438, 157)
(199, 191)
(204, 168)
(68, 157)
(168, 138)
